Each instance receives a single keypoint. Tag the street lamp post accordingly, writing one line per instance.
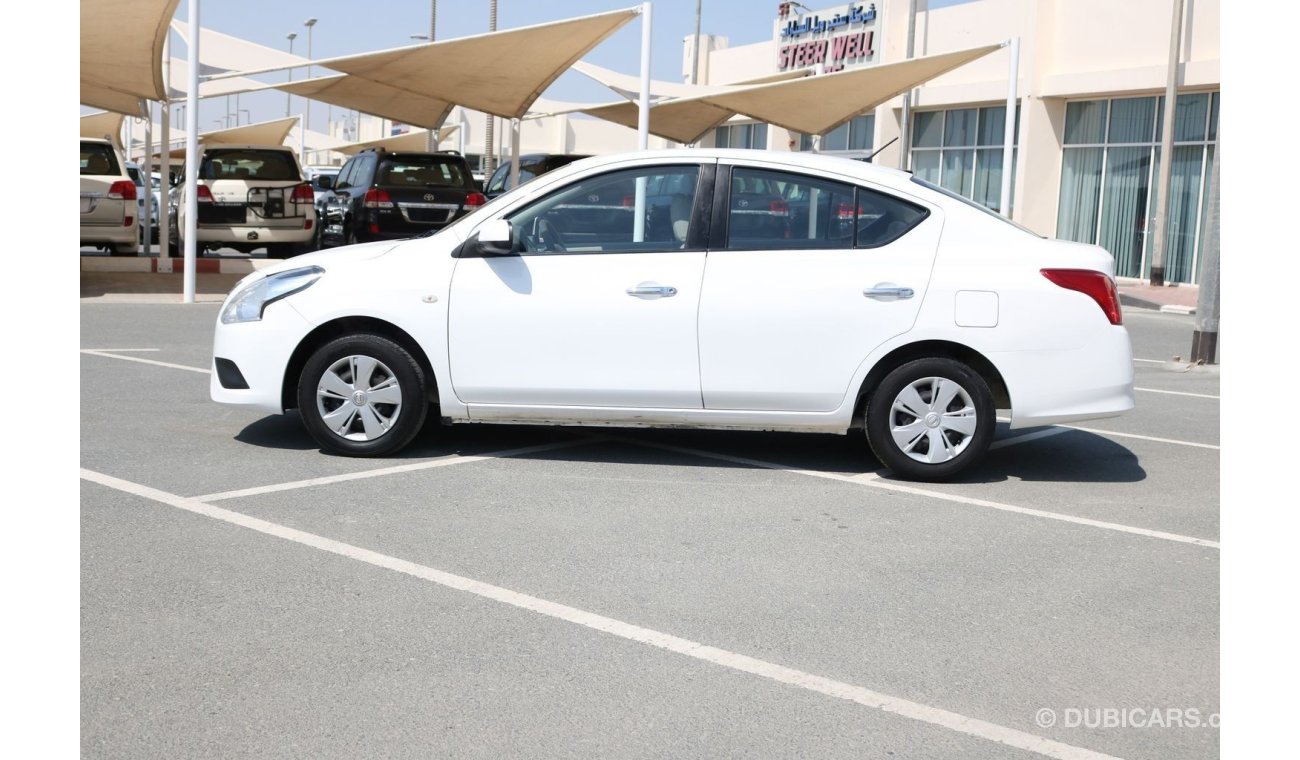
(288, 96)
(309, 23)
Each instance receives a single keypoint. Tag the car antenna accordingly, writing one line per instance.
(882, 147)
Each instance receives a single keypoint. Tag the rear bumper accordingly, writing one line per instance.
(259, 235)
(99, 234)
(1050, 387)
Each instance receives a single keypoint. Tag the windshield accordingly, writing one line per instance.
(424, 171)
(234, 163)
(967, 201)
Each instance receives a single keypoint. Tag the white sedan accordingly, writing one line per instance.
(692, 288)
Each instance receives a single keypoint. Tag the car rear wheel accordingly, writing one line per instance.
(362, 395)
(930, 419)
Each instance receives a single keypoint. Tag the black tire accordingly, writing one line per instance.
(280, 250)
(393, 362)
(972, 393)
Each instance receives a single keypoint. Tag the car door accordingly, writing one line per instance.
(805, 277)
(583, 315)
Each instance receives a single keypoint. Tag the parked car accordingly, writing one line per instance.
(383, 195)
(930, 315)
(530, 165)
(109, 212)
(322, 179)
(250, 197)
(137, 176)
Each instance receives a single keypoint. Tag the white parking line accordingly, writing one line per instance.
(1150, 361)
(1144, 437)
(105, 354)
(119, 350)
(396, 469)
(1176, 393)
(665, 641)
(873, 480)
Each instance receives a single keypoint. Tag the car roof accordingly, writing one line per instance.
(813, 162)
(224, 146)
(96, 140)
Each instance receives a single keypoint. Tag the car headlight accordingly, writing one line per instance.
(249, 301)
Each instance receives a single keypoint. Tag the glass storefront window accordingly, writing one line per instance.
(961, 150)
(857, 135)
(1109, 184)
(741, 136)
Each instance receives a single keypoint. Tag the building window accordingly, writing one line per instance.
(854, 137)
(1110, 169)
(961, 150)
(741, 136)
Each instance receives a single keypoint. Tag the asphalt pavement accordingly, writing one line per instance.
(511, 591)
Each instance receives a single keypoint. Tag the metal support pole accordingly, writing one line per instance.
(431, 143)
(489, 156)
(1009, 127)
(905, 145)
(165, 162)
(288, 96)
(642, 124)
(1205, 336)
(1167, 149)
(514, 151)
(130, 138)
(192, 155)
(695, 46)
(146, 217)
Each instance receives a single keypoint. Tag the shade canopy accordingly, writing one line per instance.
(416, 141)
(221, 52)
(366, 96)
(105, 125)
(262, 133)
(630, 86)
(812, 105)
(121, 52)
(500, 73)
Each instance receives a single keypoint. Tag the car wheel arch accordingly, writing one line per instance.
(901, 355)
(335, 328)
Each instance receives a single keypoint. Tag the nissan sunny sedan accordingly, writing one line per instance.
(705, 288)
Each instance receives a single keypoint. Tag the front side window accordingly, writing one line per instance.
(599, 214)
(234, 163)
(345, 176)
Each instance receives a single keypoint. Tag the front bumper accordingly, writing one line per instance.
(260, 350)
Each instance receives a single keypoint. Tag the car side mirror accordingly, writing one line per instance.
(324, 181)
(494, 238)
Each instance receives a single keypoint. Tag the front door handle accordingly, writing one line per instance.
(888, 291)
(652, 291)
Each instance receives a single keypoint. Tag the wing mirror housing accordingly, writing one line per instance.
(324, 182)
(494, 238)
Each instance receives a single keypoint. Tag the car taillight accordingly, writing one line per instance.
(474, 200)
(127, 221)
(779, 207)
(204, 195)
(844, 211)
(376, 198)
(303, 194)
(1096, 285)
(122, 190)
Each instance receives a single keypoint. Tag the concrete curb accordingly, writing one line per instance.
(170, 265)
(1143, 303)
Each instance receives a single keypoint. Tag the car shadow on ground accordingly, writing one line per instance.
(1073, 456)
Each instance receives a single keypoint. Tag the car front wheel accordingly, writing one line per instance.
(362, 395)
(930, 419)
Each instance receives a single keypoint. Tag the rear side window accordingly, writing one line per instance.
(423, 171)
(775, 211)
(235, 163)
(98, 158)
(882, 218)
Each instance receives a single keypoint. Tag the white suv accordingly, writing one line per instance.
(251, 196)
(108, 200)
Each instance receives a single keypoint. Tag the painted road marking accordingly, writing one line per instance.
(1047, 433)
(446, 461)
(1144, 437)
(105, 354)
(1176, 393)
(118, 350)
(874, 481)
(779, 673)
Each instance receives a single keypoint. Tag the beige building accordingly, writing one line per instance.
(1090, 93)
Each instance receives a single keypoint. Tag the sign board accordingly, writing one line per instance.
(840, 37)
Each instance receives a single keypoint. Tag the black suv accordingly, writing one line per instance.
(382, 195)
(530, 165)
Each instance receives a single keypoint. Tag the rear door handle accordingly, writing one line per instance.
(652, 291)
(888, 291)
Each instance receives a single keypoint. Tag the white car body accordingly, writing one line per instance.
(758, 339)
(108, 218)
(255, 212)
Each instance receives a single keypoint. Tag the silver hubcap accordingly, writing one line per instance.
(359, 398)
(932, 420)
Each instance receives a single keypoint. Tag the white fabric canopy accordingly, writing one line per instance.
(416, 141)
(630, 86)
(105, 125)
(812, 105)
(121, 52)
(500, 73)
(371, 97)
(262, 133)
(221, 52)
